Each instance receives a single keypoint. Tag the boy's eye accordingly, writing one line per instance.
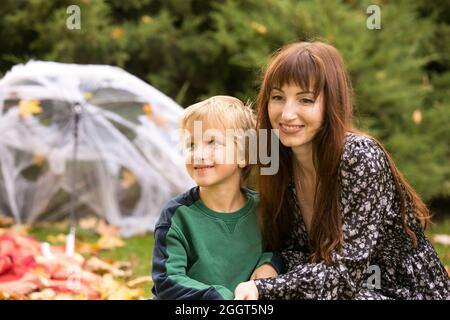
(213, 142)
(189, 146)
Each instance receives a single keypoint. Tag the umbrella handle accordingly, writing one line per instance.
(70, 242)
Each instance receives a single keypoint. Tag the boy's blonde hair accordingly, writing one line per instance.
(226, 111)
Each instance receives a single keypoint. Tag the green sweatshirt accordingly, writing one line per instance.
(203, 254)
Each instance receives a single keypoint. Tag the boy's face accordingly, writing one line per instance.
(210, 155)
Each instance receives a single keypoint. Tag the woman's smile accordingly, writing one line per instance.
(291, 129)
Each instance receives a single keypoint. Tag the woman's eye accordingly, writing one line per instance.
(306, 101)
(276, 97)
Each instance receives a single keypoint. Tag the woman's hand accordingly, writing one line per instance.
(246, 291)
(263, 272)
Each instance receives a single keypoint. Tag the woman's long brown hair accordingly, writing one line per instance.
(317, 66)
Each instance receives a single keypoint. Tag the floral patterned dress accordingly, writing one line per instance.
(375, 245)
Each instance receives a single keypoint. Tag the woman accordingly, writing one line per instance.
(344, 220)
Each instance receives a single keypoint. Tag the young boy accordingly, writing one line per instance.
(207, 240)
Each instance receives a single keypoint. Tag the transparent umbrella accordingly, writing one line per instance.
(77, 140)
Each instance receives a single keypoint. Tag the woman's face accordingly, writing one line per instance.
(296, 114)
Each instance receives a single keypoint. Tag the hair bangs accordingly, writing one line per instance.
(298, 68)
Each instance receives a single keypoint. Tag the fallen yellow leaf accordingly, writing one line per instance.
(6, 221)
(4, 295)
(29, 107)
(124, 293)
(88, 95)
(21, 229)
(46, 294)
(56, 238)
(107, 286)
(85, 247)
(112, 290)
(148, 110)
(128, 179)
(38, 159)
(118, 269)
(67, 296)
(109, 242)
(62, 225)
(139, 281)
(88, 223)
(105, 229)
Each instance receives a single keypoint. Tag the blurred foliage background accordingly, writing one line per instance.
(191, 49)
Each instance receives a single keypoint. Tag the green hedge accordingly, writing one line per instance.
(193, 49)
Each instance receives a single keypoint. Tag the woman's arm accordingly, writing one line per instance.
(363, 175)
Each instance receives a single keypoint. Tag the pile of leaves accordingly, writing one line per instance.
(31, 269)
